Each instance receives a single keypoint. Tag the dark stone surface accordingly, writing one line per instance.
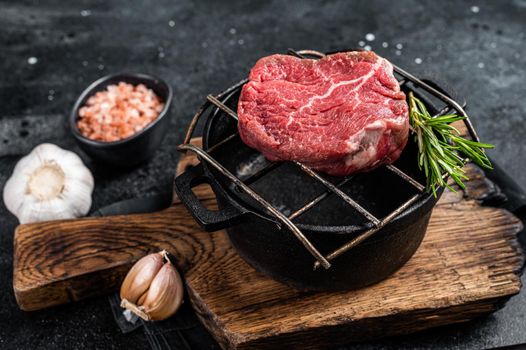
(209, 45)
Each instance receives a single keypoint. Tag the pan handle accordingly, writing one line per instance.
(210, 220)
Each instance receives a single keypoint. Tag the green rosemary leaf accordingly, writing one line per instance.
(441, 148)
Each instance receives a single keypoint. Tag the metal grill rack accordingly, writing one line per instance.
(330, 188)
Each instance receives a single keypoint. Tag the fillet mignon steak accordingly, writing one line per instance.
(341, 114)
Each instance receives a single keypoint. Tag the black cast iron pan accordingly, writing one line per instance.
(272, 249)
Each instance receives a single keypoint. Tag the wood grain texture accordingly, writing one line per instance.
(467, 266)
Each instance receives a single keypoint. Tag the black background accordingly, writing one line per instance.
(203, 46)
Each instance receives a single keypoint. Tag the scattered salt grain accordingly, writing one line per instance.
(241, 41)
(481, 65)
(171, 23)
(399, 46)
(361, 43)
(398, 52)
(385, 44)
(369, 37)
(232, 31)
(367, 48)
(475, 9)
(85, 13)
(32, 60)
(85, 63)
(50, 97)
(161, 54)
(418, 60)
(100, 67)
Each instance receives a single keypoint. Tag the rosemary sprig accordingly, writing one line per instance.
(441, 148)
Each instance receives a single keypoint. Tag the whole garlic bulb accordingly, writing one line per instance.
(49, 183)
(152, 289)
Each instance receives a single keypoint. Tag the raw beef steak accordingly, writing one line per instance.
(341, 114)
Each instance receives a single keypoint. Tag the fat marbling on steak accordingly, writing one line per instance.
(341, 114)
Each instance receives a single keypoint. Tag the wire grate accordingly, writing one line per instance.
(330, 188)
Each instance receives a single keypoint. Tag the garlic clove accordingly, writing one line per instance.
(71, 194)
(165, 295)
(140, 301)
(141, 275)
(152, 289)
(35, 211)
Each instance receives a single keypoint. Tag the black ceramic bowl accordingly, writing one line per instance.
(141, 145)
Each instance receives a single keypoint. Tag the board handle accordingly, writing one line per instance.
(210, 220)
(56, 262)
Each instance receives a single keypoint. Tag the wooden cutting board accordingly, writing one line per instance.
(468, 265)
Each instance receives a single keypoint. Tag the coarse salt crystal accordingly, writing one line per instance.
(118, 112)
